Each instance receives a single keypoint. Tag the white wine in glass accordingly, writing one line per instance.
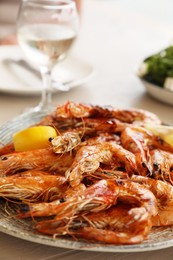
(46, 29)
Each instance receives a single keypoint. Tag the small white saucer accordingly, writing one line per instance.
(159, 93)
(15, 79)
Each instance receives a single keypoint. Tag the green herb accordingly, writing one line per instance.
(160, 66)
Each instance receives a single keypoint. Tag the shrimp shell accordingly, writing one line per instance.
(162, 163)
(98, 196)
(32, 186)
(88, 159)
(41, 159)
(164, 196)
(117, 225)
(72, 110)
(65, 142)
(125, 192)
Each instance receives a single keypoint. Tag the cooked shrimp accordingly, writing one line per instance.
(127, 192)
(97, 197)
(136, 141)
(140, 141)
(88, 159)
(65, 142)
(72, 110)
(118, 225)
(41, 159)
(45, 208)
(162, 162)
(164, 196)
(32, 186)
(87, 126)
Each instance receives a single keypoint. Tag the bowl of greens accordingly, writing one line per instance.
(156, 73)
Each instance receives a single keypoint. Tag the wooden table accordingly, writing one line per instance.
(114, 37)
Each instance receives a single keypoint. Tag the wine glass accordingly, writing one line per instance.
(46, 29)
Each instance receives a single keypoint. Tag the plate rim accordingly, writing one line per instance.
(67, 243)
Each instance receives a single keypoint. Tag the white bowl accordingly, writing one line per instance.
(158, 92)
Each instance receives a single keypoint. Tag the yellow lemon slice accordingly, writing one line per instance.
(32, 138)
(165, 132)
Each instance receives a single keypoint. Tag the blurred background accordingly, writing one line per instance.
(8, 15)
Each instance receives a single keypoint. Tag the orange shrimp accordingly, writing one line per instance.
(32, 186)
(105, 197)
(41, 159)
(97, 197)
(88, 159)
(45, 209)
(87, 126)
(162, 162)
(118, 225)
(164, 196)
(136, 141)
(72, 110)
(141, 142)
(65, 142)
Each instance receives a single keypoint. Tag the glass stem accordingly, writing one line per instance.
(46, 98)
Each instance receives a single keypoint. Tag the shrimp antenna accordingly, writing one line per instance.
(84, 127)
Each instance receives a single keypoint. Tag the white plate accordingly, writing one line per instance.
(159, 238)
(17, 80)
(158, 93)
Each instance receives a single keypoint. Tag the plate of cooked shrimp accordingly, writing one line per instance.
(103, 182)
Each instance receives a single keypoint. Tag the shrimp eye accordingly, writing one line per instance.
(119, 182)
(24, 208)
(62, 200)
(156, 165)
(160, 140)
(144, 164)
(50, 139)
(121, 169)
(4, 158)
(75, 227)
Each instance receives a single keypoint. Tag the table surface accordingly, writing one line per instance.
(114, 37)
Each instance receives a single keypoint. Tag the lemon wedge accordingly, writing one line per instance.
(32, 138)
(165, 132)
